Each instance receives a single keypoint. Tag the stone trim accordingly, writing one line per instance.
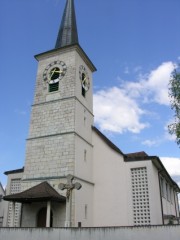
(63, 99)
(51, 135)
(84, 140)
(60, 134)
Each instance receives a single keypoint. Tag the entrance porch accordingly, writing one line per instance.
(42, 206)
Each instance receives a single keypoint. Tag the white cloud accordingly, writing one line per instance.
(158, 82)
(118, 109)
(152, 87)
(172, 165)
(116, 112)
(165, 137)
(151, 143)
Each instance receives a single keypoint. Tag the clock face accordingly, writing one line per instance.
(54, 72)
(83, 75)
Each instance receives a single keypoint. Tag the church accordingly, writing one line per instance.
(73, 175)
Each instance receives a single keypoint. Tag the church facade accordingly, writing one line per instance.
(117, 189)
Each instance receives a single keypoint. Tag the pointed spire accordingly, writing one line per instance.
(68, 30)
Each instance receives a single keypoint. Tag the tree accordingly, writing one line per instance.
(174, 93)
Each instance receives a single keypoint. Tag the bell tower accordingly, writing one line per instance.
(60, 135)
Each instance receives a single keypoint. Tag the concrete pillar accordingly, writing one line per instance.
(48, 214)
(12, 215)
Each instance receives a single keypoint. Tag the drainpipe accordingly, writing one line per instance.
(13, 214)
(21, 216)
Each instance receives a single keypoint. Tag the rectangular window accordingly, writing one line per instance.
(86, 211)
(85, 155)
(85, 117)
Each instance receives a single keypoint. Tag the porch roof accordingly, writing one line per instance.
(38, 193)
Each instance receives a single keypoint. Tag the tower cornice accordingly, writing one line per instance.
(75, 47)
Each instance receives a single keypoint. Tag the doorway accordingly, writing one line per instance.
(41, 218)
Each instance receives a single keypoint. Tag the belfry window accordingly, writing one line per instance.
(83, 85)
(85, 82)
(54, 87)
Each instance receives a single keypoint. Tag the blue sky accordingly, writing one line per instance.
(133, 44)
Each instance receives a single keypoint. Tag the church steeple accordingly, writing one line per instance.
(68, 30)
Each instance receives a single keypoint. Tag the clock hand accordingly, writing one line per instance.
(52, 73)
(58, 71)
(84, 81)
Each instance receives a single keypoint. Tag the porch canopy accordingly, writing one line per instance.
(39, 193)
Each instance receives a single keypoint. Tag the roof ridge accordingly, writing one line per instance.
(111, 144)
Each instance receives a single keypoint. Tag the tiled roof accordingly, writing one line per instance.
(41, 192)
(137, 154)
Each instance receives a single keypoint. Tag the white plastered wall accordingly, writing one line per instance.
(110, 190)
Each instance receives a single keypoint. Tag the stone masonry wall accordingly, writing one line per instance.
(52, 118)
(50, 156)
